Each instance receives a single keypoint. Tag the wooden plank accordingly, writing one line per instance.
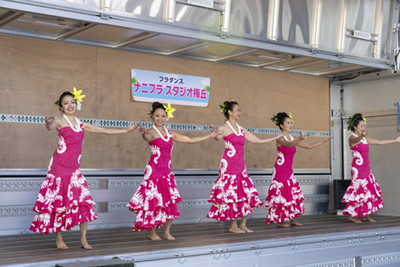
(23, 248)
(44, 69)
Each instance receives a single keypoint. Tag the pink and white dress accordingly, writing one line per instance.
(233, 194)
(64, 199)
(156, 200)
(363, 194)
(285, 198)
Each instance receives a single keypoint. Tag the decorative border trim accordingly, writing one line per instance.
(119, 206)
(171, 126)
(124, 183)
(365, 261)
(16, 210)
(134, 183)
(340, 263)
(19, 210)
(34, 185)
(379, 259)
(316, 198)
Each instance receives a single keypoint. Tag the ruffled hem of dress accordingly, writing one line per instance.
(136, 208)
(41, 207)
(284, 213)
(363, 209)
(361, 196)
(47, 223)
(231, 211)
(270, 204)
(154, 219)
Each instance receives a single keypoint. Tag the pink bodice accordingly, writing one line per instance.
(361, 159)
(234, 152)
(68, 153)
(160, 158)
(284, 163)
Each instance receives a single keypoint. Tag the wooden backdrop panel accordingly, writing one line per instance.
(5, 74)
(43, 70)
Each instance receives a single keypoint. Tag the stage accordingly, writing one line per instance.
(323, 240)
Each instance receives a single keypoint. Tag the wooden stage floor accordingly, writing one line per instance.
(37, 249)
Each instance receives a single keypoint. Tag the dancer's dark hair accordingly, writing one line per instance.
(155, 106)
(356, 119)
(226, 106)
(280, 119)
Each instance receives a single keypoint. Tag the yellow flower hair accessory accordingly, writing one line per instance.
(78, 97)
(169, 110)
(77, 94)
(291, 117)
(365, 121)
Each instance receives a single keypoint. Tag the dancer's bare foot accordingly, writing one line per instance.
(284, 225)
(368, 219)
(154, 237)
(168, 237)
(236, 230)
(85, 244)
(61, 245)
(354, 219)
(60, 242)
(244, 228)
(295, 223)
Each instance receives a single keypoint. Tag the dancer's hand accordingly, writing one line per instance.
(49, 119)
(142, 130)
(215, 134)
(212, 128)
(327, 139)
(364, 133)
(398, 139)
(304, 136)
(133, 127)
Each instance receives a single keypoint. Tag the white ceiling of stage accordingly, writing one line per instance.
(306, 44)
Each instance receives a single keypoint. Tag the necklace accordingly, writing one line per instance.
(162, 137)
(233, 130)
(291, 138)
(77, 128)
(362, 139)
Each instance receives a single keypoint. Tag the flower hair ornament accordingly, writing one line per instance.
(224, 108)
(77, 96)
(57, 103)
(169, 110)
(291, 117)
(274, 119)
(350, 123)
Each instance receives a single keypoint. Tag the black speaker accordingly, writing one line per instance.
(339, 189)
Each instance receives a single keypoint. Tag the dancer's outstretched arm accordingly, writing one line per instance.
(95, 129)
(283, 142)
(311, 146)
(356, 139)
(254, 139)
(185, 139)
(382, 142)
(52, 123)
(220, 130)
(147, 134)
